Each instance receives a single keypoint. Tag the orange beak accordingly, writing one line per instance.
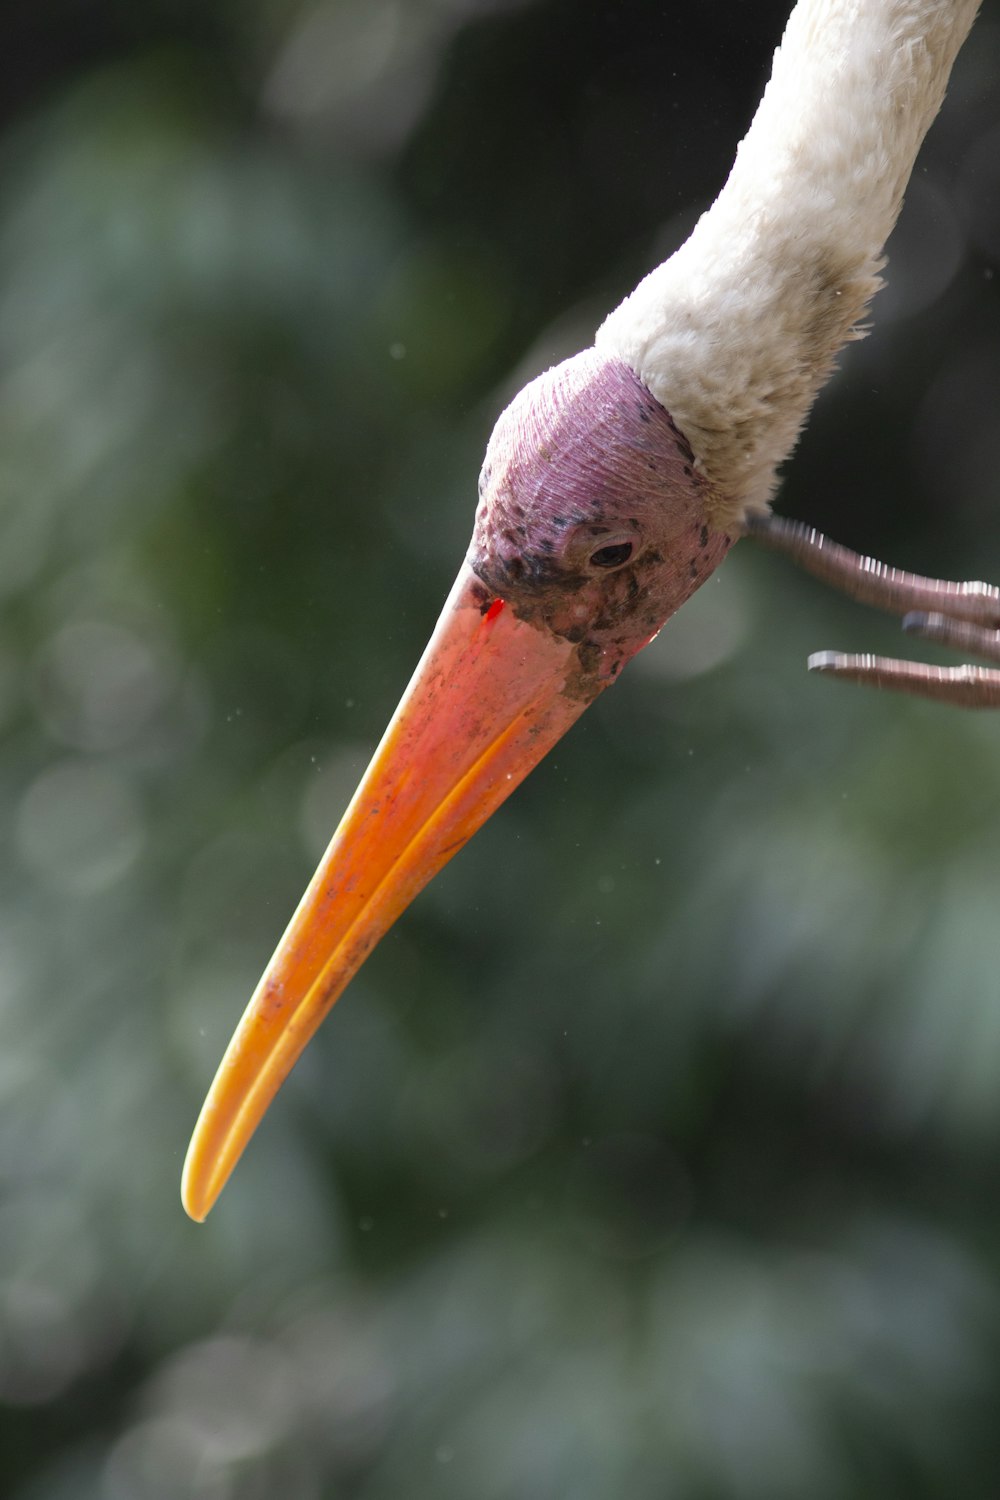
(485, 704)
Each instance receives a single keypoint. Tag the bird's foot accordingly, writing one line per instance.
(965, 616)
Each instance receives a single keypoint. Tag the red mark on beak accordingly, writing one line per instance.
(494, 610)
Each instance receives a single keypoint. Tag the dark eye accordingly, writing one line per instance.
(611, 557)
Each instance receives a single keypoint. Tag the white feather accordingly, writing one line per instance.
(736, 333)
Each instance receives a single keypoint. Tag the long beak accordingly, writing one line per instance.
(485, 704)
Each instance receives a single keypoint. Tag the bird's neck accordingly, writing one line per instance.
(737, 332)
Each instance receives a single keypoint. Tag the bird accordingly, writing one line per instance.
(613, 486)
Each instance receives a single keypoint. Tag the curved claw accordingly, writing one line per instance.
(873, 582)
(965, 616)
(962, 687)
(957, 634)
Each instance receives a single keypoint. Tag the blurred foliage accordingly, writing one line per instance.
(655, 1152)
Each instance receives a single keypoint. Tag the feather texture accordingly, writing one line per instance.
(736, 333)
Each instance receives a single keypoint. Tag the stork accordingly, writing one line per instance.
(613, 485)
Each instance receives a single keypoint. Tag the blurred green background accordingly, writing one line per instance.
(656, 1153)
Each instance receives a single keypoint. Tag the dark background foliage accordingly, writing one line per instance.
(655, 1152)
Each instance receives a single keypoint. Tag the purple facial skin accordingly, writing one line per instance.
(593, 523)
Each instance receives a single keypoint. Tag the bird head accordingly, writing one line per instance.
(593, 526)
(593, 521)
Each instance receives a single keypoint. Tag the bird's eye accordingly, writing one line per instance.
(611, 557)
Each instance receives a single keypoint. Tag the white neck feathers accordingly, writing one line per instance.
(736, 333)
